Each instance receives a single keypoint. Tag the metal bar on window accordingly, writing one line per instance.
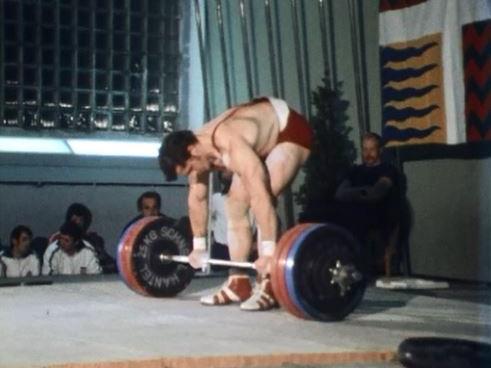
(332, 43)
(280, 51)
(20, 67)
(245, 43)
(109, 62)
(298, 56)
(56, 71)
(75, 62)
(254, 48)
(38, 121)
(197, 15)
(305, 47)
(363, 65)
(2, 66)
(127, 68)
(221, 33)
(271, 47)
(92, 65)
(356, 68)
(162, 74)
(324, 45)
(144, 97)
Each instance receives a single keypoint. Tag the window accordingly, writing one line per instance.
(95, 65)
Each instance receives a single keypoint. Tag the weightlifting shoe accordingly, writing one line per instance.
(262, 297)
(235, 290)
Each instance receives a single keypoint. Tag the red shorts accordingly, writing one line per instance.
(297, 130)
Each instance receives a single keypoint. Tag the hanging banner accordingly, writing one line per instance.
(435, 59)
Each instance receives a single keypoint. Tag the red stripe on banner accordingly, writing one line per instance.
(478, 41)
(475, 105)
(476, 73)
(387, 5)
(474, 135)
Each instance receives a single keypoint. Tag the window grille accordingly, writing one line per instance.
(89, 65)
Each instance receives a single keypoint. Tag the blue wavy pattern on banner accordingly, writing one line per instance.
(389, 54)
(398, 75)
(392, 113)
(391, 133)
(393, 94)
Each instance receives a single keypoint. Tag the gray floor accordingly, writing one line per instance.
(101, 320)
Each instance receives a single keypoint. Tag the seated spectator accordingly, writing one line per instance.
(70, 254)
(369, 197)
(80, 215)
(19, 260)
(148, 204)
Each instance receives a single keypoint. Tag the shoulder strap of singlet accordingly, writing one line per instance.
(231, 113)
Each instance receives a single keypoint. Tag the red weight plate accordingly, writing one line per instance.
(278, 269)
(125, 254)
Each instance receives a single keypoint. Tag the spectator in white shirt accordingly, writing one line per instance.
(19, 260)
(70, 254)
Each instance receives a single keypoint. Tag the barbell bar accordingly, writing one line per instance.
(210, 261)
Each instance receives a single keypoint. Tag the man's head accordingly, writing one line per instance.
(149, 204)
(371, 149)
(180, 154)
(80, 215)
(20, 240)
(70, 237)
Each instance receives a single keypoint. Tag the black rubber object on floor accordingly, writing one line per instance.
(439, 352)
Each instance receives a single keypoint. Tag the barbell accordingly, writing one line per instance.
(315, 271)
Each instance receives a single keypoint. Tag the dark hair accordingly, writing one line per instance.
(72, 229)
(78, 209)
(149, 194)
(18, 230)
(373, 136)
(174, 151)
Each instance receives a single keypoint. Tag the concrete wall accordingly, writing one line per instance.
(36, 191)
(452, 227)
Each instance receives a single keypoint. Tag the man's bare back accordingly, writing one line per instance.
(256, 124)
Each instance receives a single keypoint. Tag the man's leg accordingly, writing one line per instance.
(237, 288)
(283, 164)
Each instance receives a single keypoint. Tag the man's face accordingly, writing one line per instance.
(149, 207)
(370, 152)
(79, 220)
(23, 243)
(67, 243)
(197, 164)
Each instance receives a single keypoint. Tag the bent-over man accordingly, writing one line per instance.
(263, 143)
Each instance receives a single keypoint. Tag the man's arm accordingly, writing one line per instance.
(198, 204)
(364, 194)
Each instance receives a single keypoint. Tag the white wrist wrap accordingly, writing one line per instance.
(267, 248)
(199, 243)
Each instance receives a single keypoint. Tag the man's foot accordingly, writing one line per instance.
(235, 290)
(262, 297)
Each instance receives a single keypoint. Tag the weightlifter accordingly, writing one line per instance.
(263, 143)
